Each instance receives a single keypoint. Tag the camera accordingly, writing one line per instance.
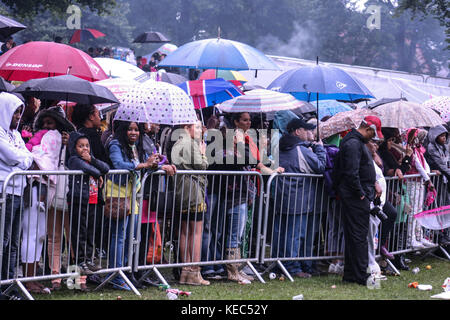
(375, 210)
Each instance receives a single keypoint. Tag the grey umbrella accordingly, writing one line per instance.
(172, 78)
(67, 88)
(151, 37)
(5, 86)
(8, 27)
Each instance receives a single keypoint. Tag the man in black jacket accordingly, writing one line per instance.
(355, 178)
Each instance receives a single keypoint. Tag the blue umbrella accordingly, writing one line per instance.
(331, 107)
(205, 93)
(318, 82)
(218, 53)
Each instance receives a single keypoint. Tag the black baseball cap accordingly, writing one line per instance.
(295, 124)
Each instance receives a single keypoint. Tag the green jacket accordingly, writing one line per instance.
(190, 189)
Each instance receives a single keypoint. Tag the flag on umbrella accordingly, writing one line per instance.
(205, 93)
(84, 34)
(234, 77)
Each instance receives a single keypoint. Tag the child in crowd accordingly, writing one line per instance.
(82, 198)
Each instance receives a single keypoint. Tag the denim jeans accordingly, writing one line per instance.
(127, 235)
(293, 237)
(118, 236)
(236, 218)
(11, 236)
(212, 234)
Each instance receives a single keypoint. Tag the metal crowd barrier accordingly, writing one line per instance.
(57, 235)
(162, 229)
(313, 228)
(53, 237)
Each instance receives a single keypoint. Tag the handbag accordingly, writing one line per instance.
(154, 253)
(116, 208)
(62, 181)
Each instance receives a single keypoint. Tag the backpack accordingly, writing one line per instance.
(332, 170)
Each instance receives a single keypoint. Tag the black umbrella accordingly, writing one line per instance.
(383, 101)
(67, 88)
(8, 27)
(5, 86)
(151, 37)
(172, 78)
(306, 110)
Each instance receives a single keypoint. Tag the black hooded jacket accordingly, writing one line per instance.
(355, 170)
(79, 185)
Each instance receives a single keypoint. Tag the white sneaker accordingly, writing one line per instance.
(340, 269)
(417, 245)
(41, 206)
(332, 268)
(380, 277)
(427, 243)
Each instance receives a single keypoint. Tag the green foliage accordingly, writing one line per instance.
(439, 9)
(333, 30)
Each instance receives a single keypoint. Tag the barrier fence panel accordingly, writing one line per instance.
(199, 218)
(303, 221)
(409, 196)
(57, 227)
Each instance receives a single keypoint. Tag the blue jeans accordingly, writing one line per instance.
(212, 234)
(11, 236)
(236, 218)
(116, 248)
(293, 237)
(127, 235)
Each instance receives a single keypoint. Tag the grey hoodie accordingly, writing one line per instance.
(438, 155)
(14, 156)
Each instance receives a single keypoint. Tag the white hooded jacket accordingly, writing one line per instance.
(14, 156)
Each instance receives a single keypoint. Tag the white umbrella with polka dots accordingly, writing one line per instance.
(156, 102)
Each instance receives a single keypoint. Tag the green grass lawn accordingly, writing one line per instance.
(316, 288)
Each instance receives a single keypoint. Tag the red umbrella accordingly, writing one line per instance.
(40, 59)
(84, 34)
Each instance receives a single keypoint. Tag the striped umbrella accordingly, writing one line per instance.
(84, 34)
(261, 100)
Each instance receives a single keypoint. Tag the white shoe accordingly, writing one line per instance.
(380, 277)
(332, 268)
(417, 245)
(340, 269)
(427, 243)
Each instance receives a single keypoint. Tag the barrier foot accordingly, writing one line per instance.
(108, 279)
(132, 287)
(160, 277)
(445, 252)
(21, 288)
(255, 272)
(287, 274)
(392, 266)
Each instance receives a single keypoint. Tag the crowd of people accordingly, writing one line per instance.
(214, 213)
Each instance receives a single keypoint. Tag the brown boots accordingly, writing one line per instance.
(234, 274)
(192, 276)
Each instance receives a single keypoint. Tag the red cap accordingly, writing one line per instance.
(375, 123)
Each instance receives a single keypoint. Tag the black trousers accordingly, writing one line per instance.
(356, 214)
(388, 224)
(82, 232)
